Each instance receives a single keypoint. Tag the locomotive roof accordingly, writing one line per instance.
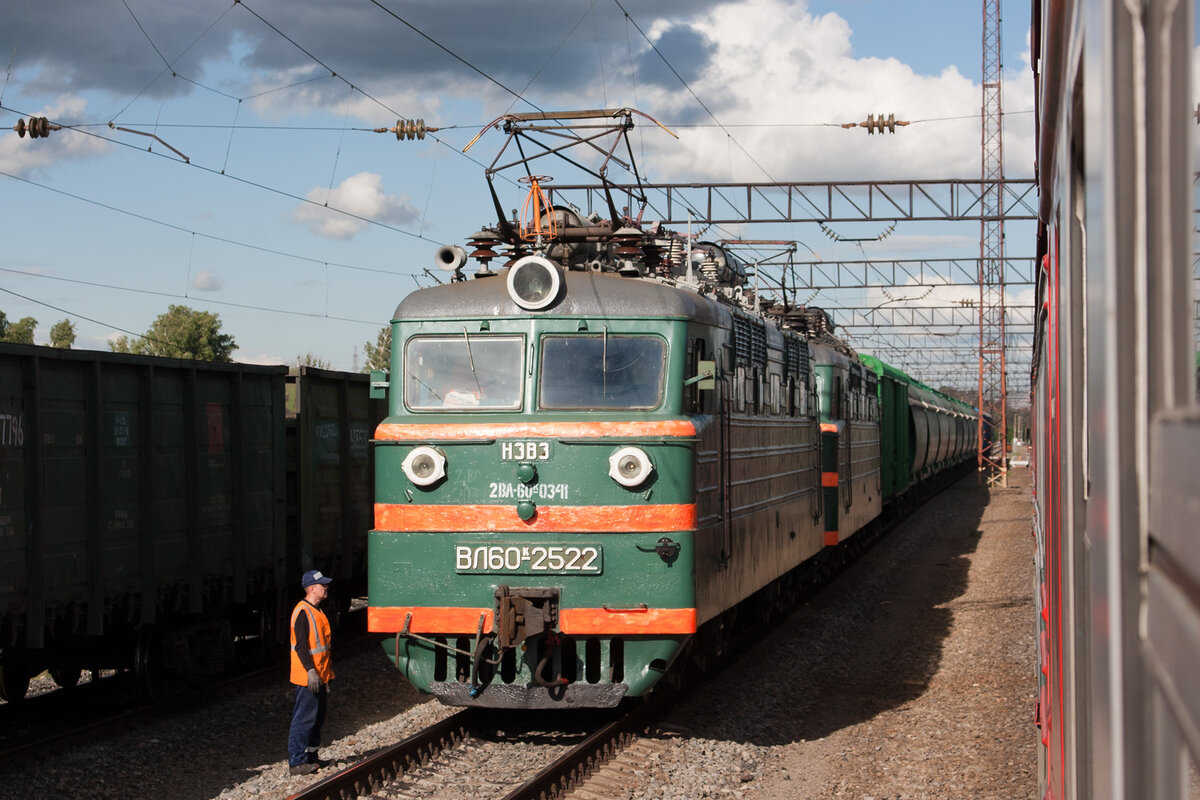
(586, 294)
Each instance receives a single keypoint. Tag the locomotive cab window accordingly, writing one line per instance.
(461, 373)
(605, 371)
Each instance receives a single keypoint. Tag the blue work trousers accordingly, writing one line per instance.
(307, 715)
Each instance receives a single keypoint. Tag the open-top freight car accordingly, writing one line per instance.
(154, 513)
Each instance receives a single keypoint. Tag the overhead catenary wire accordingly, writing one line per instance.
(142, 28)
(334, 74)
(222, 171)
(718, 125)
(213, 237)
(474, 125)
(16, 43)
(450, 52)
(703, 105)
(546, 63)
(168, 67)
(35, 301)
(972, 117)
(633, 75)
(244, 181)
(176, 296)
(255, 184)
(692, 92)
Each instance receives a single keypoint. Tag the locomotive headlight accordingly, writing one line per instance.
(425, 465)
(630, 466)
(534, 282)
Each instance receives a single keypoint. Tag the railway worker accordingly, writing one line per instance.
(312, 670)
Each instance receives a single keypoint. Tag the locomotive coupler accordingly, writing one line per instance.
(523, 612)
(518, 614)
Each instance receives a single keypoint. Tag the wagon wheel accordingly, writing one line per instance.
(147, 665)
(14, 682)
(268, 651)
(67, 675)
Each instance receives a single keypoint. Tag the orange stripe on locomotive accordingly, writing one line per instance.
(572, 621)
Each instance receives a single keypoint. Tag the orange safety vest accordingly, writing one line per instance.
(319, 643)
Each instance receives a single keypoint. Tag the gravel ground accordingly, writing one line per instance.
(911, 677)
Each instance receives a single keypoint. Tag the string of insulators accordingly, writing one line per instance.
(36, 127)
(534, 208)
(652, 257)
(881, 124)
(628, 250)
(676, 255)
(516, 251)
(483, 241)
(837, 237)
(408, 129)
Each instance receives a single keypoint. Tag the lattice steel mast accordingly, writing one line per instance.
(993, 392)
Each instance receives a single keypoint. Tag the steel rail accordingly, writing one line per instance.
(392, 762)
(581, 760)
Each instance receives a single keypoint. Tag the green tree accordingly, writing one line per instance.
(379, 355)
(19, 332)
(310, 360)
(182, 333)
(62, 335)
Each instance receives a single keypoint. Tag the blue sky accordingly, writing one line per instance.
(107, 227)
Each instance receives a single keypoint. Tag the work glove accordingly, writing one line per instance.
(314, 682)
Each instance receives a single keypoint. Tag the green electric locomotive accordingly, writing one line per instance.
(595, 456)
(581, 468)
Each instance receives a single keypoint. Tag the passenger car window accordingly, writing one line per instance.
(602, 372)
(463, 373)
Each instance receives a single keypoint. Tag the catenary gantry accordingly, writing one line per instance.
(913, 312)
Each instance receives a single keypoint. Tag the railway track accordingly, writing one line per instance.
(481, 754)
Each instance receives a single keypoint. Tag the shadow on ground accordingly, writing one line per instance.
(869, 642)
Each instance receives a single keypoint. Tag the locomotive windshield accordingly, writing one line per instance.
(603, 371)
(448, 373)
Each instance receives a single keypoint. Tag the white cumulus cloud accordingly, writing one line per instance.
(206, 281)
(794, 90)
(361, 197)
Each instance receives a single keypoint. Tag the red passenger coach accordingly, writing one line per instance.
(1116, 432)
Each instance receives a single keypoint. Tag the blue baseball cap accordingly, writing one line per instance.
(314, 576)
